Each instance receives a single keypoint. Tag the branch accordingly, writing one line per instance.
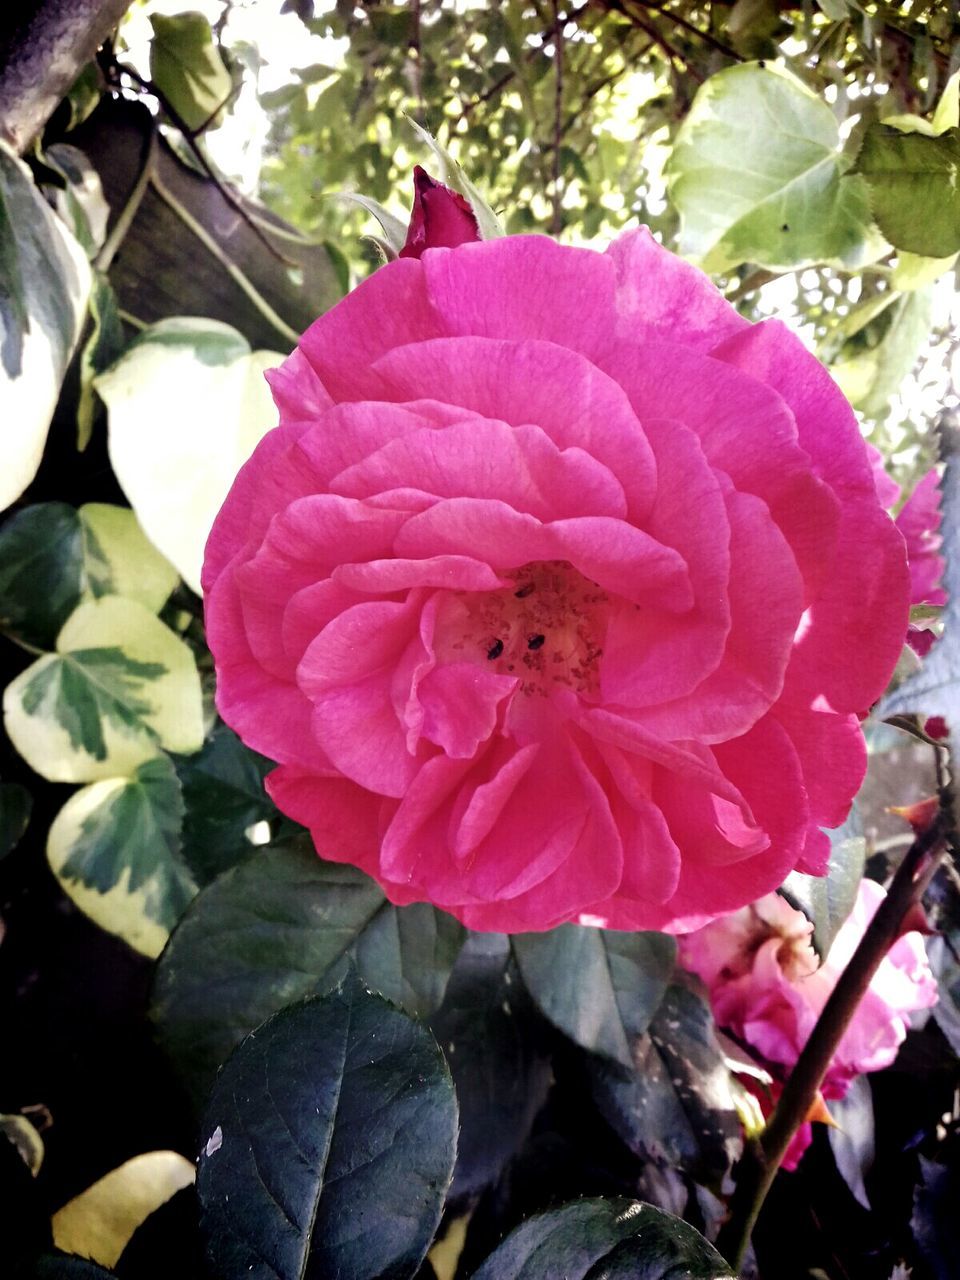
(43, 48)
(762, 1159)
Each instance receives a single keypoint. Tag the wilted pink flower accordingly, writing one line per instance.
(768, 987)
(440, 218)
(558, 590)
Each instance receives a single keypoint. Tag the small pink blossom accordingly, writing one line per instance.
(919, 522)
(768, 987)
(558, 591)
(440, 218)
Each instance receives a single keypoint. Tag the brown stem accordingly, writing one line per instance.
(43, 48)
(763, 1158)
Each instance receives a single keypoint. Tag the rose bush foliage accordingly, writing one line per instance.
(768, 987)
(559, 590)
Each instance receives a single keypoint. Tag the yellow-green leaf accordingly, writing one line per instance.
(115, 848)
(120, 686)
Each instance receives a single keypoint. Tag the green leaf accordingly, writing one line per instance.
(913, 272)
(80, 202)
(115, 849)
(617, 1239)
(914, 183)
(600, 987)
(224, 796)
(15, 806)
(101, 349)
(120, 686)
(330, 1135)
(63, 1266)
(678, 1101)
(827, 900)
(280, 926)
(186, 67)
(44, 283)
(187, 404)
(394, 228)
(872, 366)
(499, 1056)
(453, 176)
(52, 557)
(777, 195)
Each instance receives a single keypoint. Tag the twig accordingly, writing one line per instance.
(557, 221)
(763, 1157)
(417, 51)
(189, 137)
(706, 36)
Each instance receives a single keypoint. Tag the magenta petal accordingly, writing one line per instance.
(495, 290)
(460, 704)
(660, 295)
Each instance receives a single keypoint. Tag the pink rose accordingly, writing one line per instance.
(558, 590)
(768, 987)
(919, 522)
(440, 218)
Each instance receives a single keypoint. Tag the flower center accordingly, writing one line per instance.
(547, 628)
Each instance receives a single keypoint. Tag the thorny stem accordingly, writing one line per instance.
(762, 1158)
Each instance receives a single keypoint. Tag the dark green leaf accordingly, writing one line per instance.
(614, 1239)
(827, 900)
(41, 565)
(186, 67)
(63, 1266)
(51, 555)
(223, 794)
(15, 805)
(490, 1035)
(280, 926)
(104, 345)
(936, 1226)
(914, 183)
(677, 1102)
(330, 1139)
(600, 987)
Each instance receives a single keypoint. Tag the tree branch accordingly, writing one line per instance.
(43, 48)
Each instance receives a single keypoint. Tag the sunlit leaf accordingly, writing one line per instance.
(187, 403)
(914, 185)
(777, 195)
(827, 900)
(186, 67)
(120, 685)
(331, 1134)
(115, 847)
(98, 1223)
